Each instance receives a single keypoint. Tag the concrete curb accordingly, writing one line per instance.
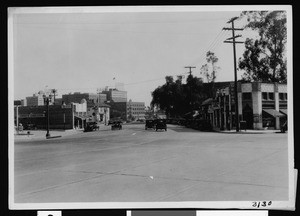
(251, 132)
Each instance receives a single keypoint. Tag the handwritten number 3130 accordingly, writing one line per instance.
(261, 204)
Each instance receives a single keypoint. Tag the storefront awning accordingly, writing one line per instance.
(207, 102)
(196, 114)
(82, 117)
(284, 111)
(273, 112)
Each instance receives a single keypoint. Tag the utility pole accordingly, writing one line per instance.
(190, 72)
(98, 102)
(190, 67)
(237, 122)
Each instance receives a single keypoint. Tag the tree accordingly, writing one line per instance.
(264, 58)
(54, 91)
(210, 71)
(176, 98)
(165, 97)
(194, 92)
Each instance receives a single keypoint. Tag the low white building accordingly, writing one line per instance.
(99, 113)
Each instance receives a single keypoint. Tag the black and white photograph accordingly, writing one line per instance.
(132, 107)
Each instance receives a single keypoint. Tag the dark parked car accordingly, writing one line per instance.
(116, 125)
(150, 124)
(91, 126)
(30, 126)
(160, 124)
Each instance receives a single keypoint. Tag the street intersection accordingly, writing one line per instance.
(135, 164)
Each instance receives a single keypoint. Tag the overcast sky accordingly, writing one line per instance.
(74, 52)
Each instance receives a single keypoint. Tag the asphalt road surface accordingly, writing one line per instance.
(135, 164)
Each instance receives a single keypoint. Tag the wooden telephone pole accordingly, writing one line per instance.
(190, 67)
(190, 72)
(237, 122)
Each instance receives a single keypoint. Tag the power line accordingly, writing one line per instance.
(216, 40)
(125, 84)
(117, 23)
(115, 31)
(217, 45)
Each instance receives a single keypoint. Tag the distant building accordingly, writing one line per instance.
(135, 110)
(117, 101)
(102, 98)
(117, 110)
(17, 103)
(115, 95)
(58, 101)
(91, 98)
(37, 99)
(76, 97)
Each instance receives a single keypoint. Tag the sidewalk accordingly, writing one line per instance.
(250, 131)
(41, 134)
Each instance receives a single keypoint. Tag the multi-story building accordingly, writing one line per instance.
(102, 98)
(91, 98)
(117, 101)
(260, 105)
(76, 97)
(116, 95)
(37, 99)
(135, 110)
(20, 102)
(58, 101)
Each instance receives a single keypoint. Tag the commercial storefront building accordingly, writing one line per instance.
(261, 106)
(60, 117)
(71, 116)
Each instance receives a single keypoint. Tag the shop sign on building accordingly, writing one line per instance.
(32, 115)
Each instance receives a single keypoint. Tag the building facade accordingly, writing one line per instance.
(99, 113)
(37, 100)
(135, 110)
(60, 117)
(76, 97)
(260, 106)
(116, 95)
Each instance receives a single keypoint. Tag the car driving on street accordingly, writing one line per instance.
(160, 124)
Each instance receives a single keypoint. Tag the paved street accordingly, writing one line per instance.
(135, 164)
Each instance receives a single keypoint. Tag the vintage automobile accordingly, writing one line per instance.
(116, 125)
(29, 126)
(91, 126)
(150, 124)
(160, 124)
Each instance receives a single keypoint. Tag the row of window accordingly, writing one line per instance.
(139, 105)
(265, 96)
(136, 109)
(137, 113)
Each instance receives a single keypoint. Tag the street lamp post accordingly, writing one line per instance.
(46, 99)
